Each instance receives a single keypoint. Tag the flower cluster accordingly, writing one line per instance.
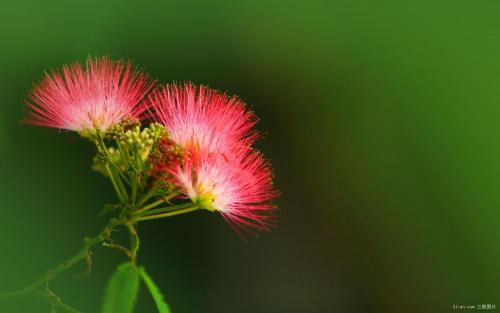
(195, 153)
(98, 96)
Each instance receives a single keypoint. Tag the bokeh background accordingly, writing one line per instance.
(381, 118)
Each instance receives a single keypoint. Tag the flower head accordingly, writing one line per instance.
(220, 171)
(239, 188)
(200, 117)
(97, 96)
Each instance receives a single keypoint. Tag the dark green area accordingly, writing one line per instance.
(381, 118)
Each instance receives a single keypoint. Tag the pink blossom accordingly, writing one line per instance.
(239, 188)
(205, 118)
(220, 171)
(97, 96)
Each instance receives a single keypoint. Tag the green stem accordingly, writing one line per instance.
(120, 183)
(115, 179)
(156, 203)
(134, 242)
(119, 171)
(134, 189)
(115, 185)
(125, 156)
(102, 146)
(40, 295)
(143, 212)
(150, 206)
(147, 195)
(63, 266)
(117, 247)
(55, 303)
(167, 214)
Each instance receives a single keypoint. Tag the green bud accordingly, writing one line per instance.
(88, 133)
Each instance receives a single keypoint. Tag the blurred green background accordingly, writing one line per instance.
(381, 120)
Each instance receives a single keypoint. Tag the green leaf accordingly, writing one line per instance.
(161, 305)
(122, 290)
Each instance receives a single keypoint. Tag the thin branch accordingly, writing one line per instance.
(167, 214)
(82, 254)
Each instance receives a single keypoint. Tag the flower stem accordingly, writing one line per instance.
(134, 242)
(167, 214)
(155, 203)
(143, 211)
(134, 189)
(150, 206)
(115, 185)
(114, 172)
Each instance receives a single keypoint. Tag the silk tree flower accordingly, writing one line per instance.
(197, 116)
(87, 98)
(220, 171)
(239, 188)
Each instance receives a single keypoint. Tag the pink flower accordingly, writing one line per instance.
(239, 188)
(220, 171)
(97, 96)
(204, 118)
